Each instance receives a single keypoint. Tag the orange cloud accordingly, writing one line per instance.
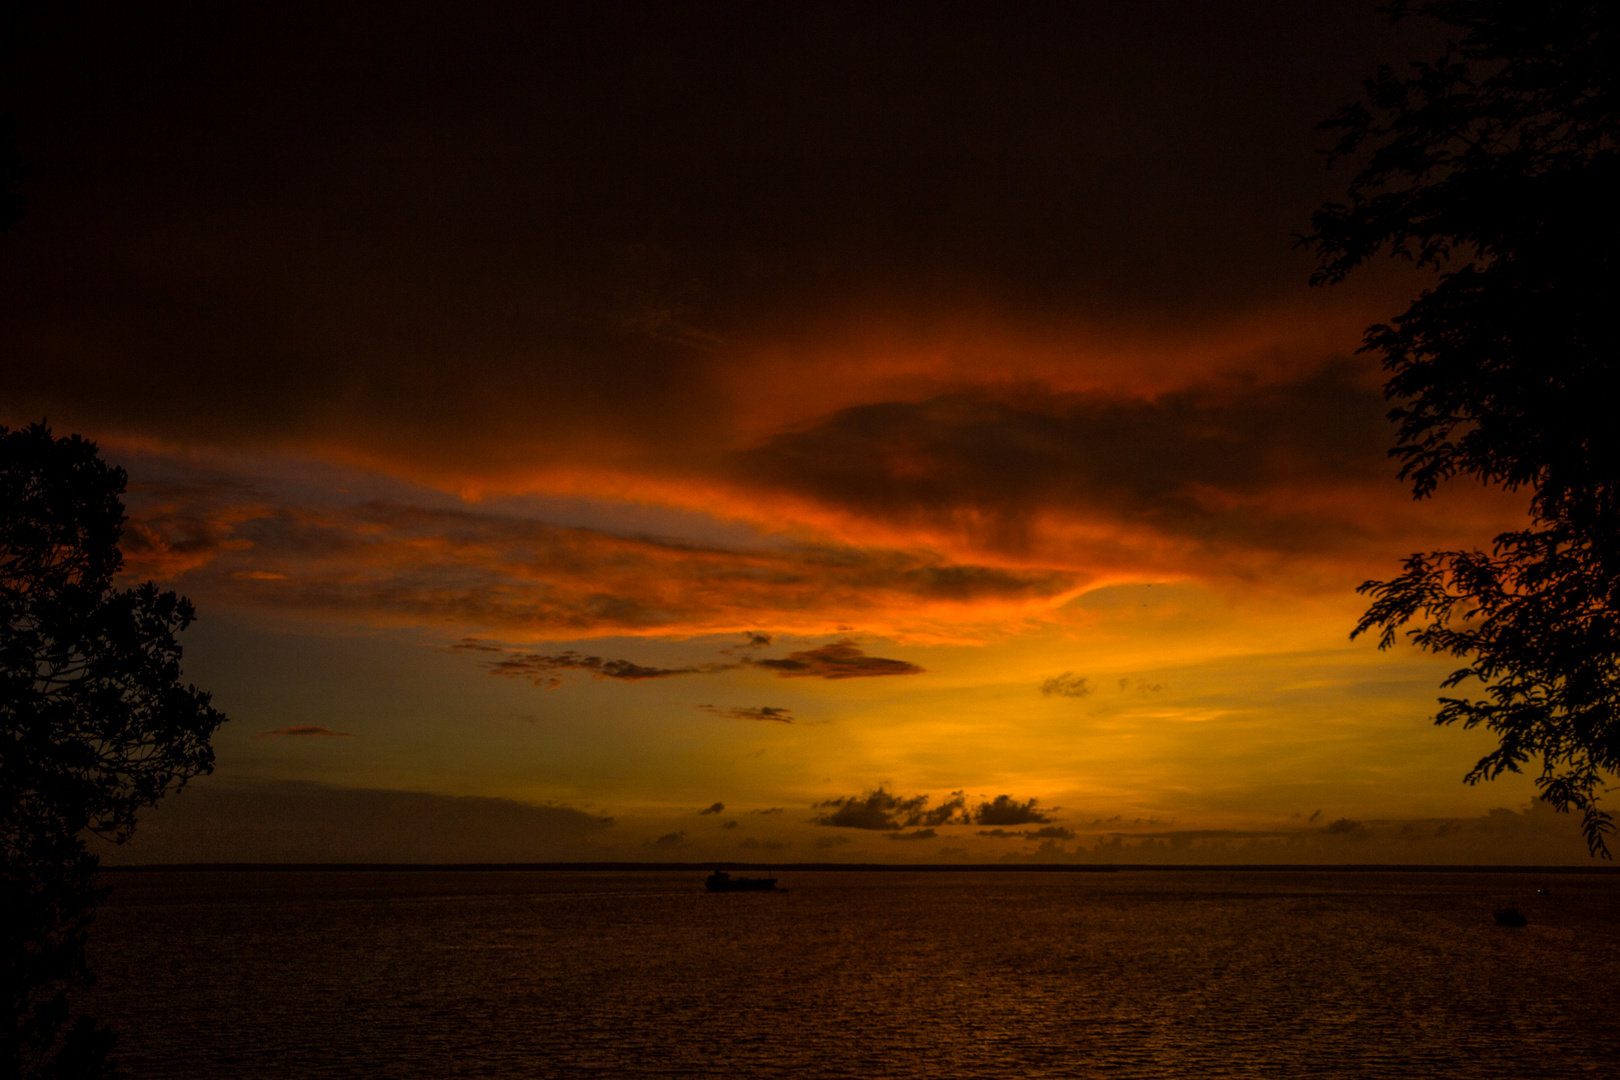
(950, 518)
(391, 563)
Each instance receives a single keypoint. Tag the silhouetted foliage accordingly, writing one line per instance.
(94, 725)
(1497, 166)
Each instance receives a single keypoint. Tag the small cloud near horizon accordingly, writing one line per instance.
(762, 845)
(880, 810)
(715, 808)
(307, 731)
(1067, 684)
(1049, 832)
(1006, 810)
(780, 714)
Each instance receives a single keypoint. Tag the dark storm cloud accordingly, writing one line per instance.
(777, 713)
(1006, 810)
(882, 810)
(307, 731)
(221, 820)
(1189, 463)
(839, 660)
(440, 227)
(1067, 684)
(715, 808)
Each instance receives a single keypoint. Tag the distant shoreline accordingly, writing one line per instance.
(975, 868)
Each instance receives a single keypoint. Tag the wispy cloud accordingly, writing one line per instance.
(1067, 684)
(839, 660)
(541, 668)
(778, 713)
(307, 731)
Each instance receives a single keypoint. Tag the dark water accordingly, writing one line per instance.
(1134, 974)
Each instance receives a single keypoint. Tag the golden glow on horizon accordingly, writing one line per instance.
(1199, 619)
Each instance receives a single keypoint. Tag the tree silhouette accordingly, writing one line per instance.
(94, 725)
(1497, 166)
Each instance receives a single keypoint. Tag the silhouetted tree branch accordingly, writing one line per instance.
(1497, 164)
(95, 724)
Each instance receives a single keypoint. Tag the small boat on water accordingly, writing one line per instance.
(720, 881)
(1510, 916)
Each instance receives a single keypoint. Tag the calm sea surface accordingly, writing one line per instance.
(609, 974)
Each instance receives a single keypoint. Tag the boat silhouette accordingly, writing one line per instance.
(720, 881)
(1510, 916)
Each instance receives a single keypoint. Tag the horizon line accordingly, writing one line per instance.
(699, 867)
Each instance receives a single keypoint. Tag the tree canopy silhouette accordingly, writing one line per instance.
(1497, 166)
(94, 725)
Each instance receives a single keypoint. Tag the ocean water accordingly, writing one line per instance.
(851, 974)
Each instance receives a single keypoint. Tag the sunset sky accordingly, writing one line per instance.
(857, 432)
